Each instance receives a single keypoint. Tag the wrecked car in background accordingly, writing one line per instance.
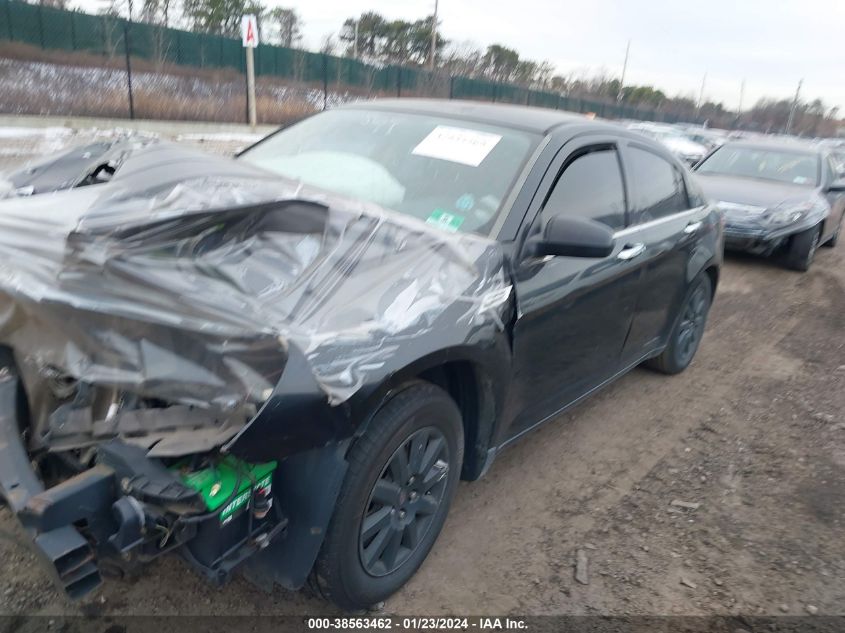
(89, 164)
(283, 364)
(778, 198)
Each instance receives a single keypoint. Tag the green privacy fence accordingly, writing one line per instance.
(57, 29)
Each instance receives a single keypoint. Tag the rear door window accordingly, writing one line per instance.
(658, 186)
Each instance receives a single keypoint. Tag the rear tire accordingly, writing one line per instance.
(802, 249)
(688, 330)
(403, 473)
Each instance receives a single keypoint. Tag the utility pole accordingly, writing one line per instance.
(794, 107)
(624, 70)
(127, 48)
(701, 94)
(736, 122)
(433, 60)
(355, 44)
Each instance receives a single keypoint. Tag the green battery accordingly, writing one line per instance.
(216, 484)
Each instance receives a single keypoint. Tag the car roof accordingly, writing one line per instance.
(526, 118)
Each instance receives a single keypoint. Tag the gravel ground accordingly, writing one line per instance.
(718, 491)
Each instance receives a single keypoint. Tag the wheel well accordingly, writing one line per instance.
(462, 381)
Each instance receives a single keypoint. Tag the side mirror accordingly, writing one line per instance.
(837, 186)
(573, 237)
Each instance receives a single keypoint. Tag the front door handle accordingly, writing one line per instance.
(631, 251)
(692, 227)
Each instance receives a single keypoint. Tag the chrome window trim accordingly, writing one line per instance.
(651, 223)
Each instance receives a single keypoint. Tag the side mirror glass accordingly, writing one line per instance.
(574, 237)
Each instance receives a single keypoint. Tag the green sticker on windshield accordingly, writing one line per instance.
(445, 220)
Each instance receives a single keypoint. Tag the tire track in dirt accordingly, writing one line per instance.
(556, 485)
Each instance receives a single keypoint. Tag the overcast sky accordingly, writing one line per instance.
(772, 44)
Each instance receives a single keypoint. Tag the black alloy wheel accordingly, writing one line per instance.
(814, 246)
(691, 327)
(802, 247)
(688, 330)
(403, 502)
(403, 472)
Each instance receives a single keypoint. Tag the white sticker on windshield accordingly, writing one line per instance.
(458, 145)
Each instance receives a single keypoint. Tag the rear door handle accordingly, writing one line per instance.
(692, 227)
(631, 251)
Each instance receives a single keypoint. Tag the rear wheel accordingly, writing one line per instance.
(802, 249)
(689, 329)
(403, 472)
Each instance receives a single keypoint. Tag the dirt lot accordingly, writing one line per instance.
(751, 439)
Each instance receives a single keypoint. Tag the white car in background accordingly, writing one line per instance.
(710, 138)
(688, 151)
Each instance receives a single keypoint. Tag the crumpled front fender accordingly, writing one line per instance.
(307, 486)
(296, 418)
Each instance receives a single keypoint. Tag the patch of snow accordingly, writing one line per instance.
(44, 88)
(14, 151)
(28, 132)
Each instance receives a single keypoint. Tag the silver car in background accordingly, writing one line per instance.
(685, 149)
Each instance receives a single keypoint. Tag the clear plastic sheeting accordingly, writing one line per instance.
(185, 278)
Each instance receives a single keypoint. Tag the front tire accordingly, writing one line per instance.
(403, 473)
(802, 249)
(689, 328)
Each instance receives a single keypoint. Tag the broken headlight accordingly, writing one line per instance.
(785, 214)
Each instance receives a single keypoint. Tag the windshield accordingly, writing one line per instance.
(799, 168)
(449, 173)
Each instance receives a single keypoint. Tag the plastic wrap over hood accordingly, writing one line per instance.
(187, 277)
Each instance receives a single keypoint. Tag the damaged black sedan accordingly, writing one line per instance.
(780, 199)
(282, 364)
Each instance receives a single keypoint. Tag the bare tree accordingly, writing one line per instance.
(221, 17)
(157, 11)
(329, 45)
(283, 26)
(463, 59)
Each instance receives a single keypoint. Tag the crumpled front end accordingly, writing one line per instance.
(157, 324)
(122, 509)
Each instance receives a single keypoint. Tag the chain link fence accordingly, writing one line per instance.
(151, 48)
